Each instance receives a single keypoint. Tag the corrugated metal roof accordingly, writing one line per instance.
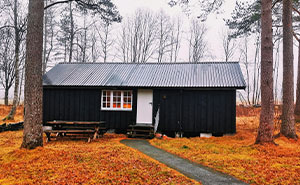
(194, 75)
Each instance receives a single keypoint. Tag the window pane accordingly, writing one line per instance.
(114, 99)
(127, 100)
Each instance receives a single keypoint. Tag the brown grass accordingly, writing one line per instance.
(4, 111)
(104, 161)
(238, 156)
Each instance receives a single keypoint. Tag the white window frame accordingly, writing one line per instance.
(112, 98)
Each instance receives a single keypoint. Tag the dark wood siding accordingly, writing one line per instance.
(77, 104)
(211, 111)
(205, 111)
(71, 104)
(120, 119)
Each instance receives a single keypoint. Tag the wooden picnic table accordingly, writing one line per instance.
(90, 129)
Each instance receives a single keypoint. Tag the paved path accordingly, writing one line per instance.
(190, 169)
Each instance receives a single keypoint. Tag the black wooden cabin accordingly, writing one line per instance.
(181, 97)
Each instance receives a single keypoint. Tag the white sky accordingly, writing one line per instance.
(214, 23)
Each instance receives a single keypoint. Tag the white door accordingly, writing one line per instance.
(144, 106)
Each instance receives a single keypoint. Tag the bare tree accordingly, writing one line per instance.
(83, 44)
(18, 24)
(66, 35)
(138, 36)
(175, 40)
(7, 72)
(94, 47)
(197, 43)
(252, 72)
(244, 60)
(228, 44)
(266, 124)
(49, 33)
(163, 35)
(106, 39)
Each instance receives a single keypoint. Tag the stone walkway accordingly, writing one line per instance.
(190, 169)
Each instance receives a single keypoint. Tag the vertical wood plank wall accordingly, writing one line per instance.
(195, 111)
(73, 104)
(206, 111)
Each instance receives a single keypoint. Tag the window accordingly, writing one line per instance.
(116, 100)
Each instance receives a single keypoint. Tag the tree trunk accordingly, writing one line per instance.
(297, 107)
(12, 112)
(72, 33)
(6, 96)
(45, 39)
(288, 121)
(33, 132)
(266, 124)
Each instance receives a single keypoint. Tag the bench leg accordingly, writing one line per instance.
(48, 137)
(95, 135)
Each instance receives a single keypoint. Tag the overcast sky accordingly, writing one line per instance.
(214, 23)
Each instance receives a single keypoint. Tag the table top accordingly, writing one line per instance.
(76, 122)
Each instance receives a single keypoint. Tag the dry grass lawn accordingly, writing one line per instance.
(4, 111)
(104, 161)
(238, 156)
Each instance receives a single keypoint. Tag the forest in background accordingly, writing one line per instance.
(72, 34)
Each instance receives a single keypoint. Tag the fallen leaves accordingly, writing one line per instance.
(104, 161)
(238, 156)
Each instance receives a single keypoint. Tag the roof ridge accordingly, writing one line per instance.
(149, 63)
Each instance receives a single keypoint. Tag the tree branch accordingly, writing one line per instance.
(7, 26)
(58, 2)
(296, 37)
(297, 11)
(277, 1)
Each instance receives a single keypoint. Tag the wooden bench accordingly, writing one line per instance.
(75, 129)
